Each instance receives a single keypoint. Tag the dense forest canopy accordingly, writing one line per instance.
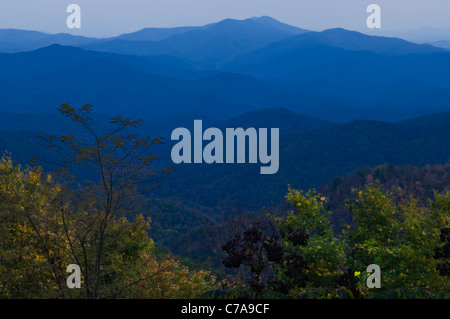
(398, 218)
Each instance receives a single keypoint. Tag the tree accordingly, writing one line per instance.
(40, 237)
(292, 252)
(119, 166)
(393, 230)
(49, 221)
(400, 236)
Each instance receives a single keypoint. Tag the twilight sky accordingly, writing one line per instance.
(112, 17)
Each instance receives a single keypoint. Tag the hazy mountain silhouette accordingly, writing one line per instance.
(211, 44)
(336, 74)
(39, 81)
(154, 34)
(43, 61)
(356, 41)
(311, 158)
(314, 49)
(424, 35)
(325, 82)
(445, 44)
(14, 40)
(337, 96)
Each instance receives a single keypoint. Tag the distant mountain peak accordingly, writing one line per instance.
(262, 17)
(58, 48)
(265, 19)
(286, 120)
(357, 41)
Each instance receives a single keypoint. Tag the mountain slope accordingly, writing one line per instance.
(336, 75)
(307, 158)
(39, 81)
(310, 159)
(211, 44)
(344, 69)
(326, 82)
(356, 41)
(334, 47)
(154, 34)
(43, 61)
(285, 120)
(442, 44)
(13, 40)
(56, 58)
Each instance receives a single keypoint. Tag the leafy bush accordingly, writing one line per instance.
(307, 260)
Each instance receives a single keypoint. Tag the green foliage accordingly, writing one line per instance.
(41, 234)
(169, 278)
(423, 182)
(324, 252)
(48, 222)
(399, 237)
(396, 232)
(25, 252)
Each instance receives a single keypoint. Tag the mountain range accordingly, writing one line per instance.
(225, 69)
(343, 101)
(442, 44)
(312, 152)
(209, 45)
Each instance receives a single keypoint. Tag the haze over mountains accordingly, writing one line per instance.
(256, 72)
(225, 69)
(423, 35)
(14, 40)
(343, 100)
(208, 45)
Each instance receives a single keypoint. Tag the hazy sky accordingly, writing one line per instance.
(113, 17)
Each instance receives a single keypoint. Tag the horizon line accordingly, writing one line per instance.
(75, 32)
